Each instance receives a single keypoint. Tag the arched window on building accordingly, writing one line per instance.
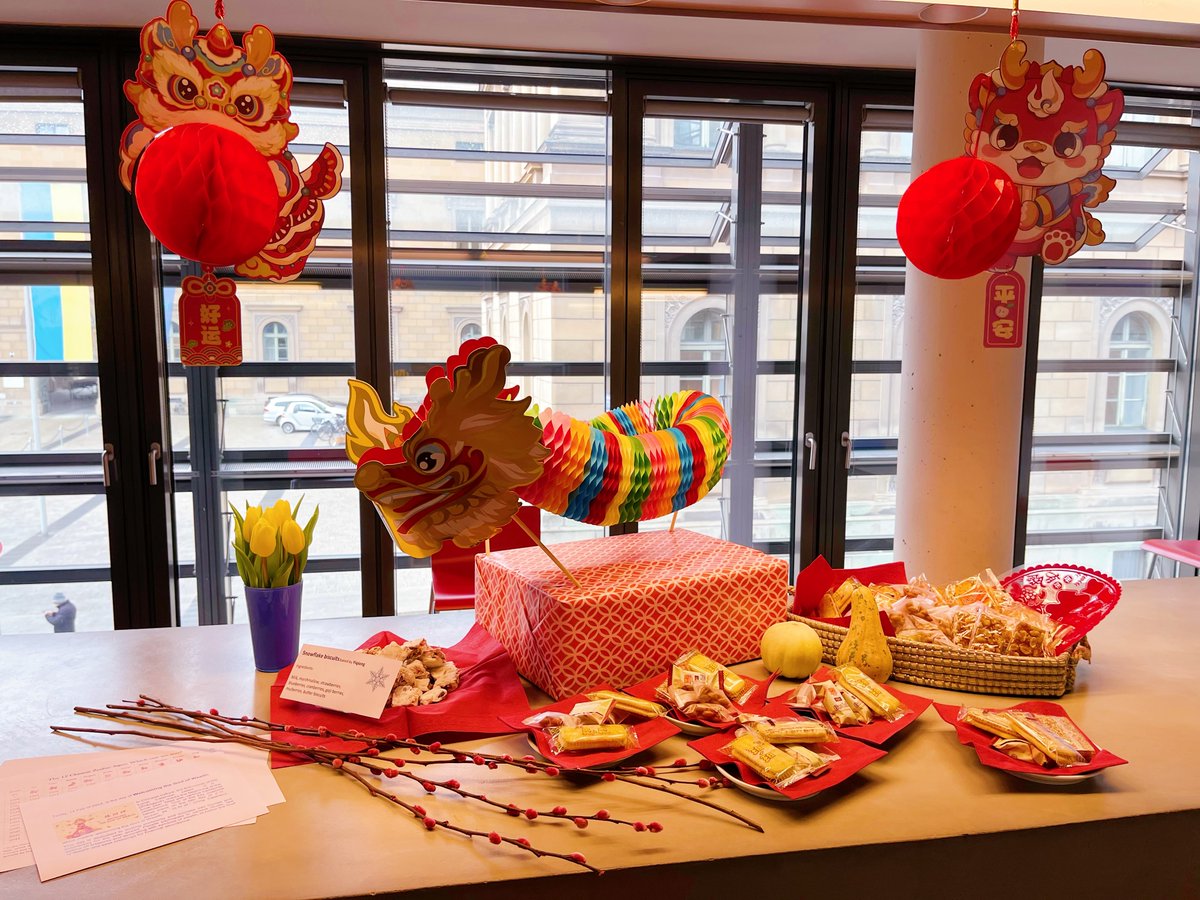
(469, 332)
(275, 342)
(1125, 398)
(703, 340)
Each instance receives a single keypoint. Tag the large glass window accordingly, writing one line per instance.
(272, 427)
(498, 221)
(1113, 384)
(54, 547)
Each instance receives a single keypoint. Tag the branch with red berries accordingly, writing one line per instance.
(369, 767)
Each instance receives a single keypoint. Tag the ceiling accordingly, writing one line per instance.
(1160, 45)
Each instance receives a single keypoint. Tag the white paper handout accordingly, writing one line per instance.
(346, 680)
(22, 780)
(122, 816)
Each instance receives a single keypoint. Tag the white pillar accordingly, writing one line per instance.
(960, 404)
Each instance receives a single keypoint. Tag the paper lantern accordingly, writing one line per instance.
(206, 194)
(958, 218)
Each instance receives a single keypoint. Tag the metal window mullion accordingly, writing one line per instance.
(746, 239)
(1033, 329)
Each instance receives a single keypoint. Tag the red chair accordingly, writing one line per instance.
(453, 567)
(1186, 552)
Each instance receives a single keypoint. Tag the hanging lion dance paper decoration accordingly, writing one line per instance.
(457, 468)
(207, 160)
(1037, 133)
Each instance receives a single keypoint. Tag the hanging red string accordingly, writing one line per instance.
(219, 10)
(1014, 27)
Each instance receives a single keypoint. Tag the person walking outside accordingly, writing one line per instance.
(62, 617)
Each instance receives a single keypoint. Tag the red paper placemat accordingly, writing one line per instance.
(818, 577)
(854, 757)
(982, 741)
(647, 690)
(649, 732)
(879, 730)
(489, 689)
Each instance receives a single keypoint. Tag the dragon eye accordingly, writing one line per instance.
(1067, 145)
(248, 106)
(183, 89)
(1005, 137)
(430, 458)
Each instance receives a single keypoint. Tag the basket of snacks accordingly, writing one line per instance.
(1022, 635)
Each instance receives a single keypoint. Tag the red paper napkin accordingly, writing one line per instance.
(647, 690)
(818, 577)
(879, 730)
(649, 732)
(982, 742)
(489, 689)
(854, 757)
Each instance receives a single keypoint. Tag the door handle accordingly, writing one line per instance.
(848, 443)
(154, 456)
(105, 459)
(810, 442)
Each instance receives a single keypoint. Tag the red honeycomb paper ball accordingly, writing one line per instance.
(206, 194)
(958, 218)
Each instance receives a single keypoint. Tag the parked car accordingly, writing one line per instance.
(307, 415)
(275, 407)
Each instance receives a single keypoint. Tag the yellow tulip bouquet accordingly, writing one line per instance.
(271, 547)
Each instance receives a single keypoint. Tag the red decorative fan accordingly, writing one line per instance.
(1076, 596)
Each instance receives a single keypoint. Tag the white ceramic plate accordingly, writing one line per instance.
(692, 728)
(755, 790)
(1057, 780)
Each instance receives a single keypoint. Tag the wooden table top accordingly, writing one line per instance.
(1138, 698)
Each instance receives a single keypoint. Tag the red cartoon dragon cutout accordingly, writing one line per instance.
(1050, 129)
(186, 77)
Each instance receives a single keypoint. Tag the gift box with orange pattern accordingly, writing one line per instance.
(645, 599)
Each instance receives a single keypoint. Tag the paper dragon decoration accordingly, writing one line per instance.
(1049, 129)
(208, 161)
(458, 468)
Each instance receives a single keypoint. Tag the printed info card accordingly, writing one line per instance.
(346, 680)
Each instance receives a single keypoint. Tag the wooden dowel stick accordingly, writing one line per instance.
(487, 547)
(546, 550)
(674, 516)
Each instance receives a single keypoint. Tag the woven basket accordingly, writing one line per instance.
(965, 670)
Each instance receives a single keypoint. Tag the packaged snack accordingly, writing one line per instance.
(591, 737)
(836, 602)
(593, 712)
(550, 720)
(1060, 750)
(996, 723)
(862, 713)
(812, 762)
(634, 706)
(834, 702)
(790, 731)
(1065, 729)
(856, 682)
(774, 765)
(697, 695)
(1021, 750)
(733, 684)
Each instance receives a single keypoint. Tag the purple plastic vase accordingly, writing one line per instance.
(274, 615)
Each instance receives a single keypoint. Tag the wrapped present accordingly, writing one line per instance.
(645, 599)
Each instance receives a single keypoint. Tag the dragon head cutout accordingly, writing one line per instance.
(183, 76)
(448, 471)
(1050, 129)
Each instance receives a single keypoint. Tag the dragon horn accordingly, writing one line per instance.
(259, 44)
(1089, 78)
(367, 425)
(1013, 66)
(183, 24)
